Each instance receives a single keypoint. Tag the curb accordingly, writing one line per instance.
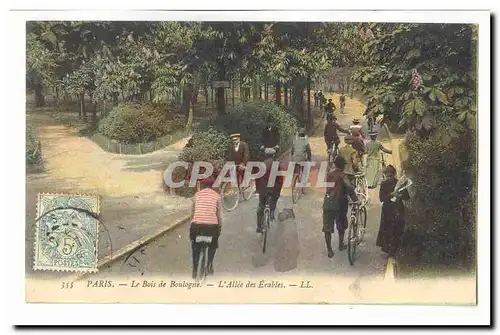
(131, 247)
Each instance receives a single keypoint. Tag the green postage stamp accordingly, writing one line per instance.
(67, 230)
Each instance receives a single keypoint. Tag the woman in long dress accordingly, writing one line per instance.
(392, 222)
(373, 160)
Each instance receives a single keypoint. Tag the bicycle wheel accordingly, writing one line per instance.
(230, 196)
(352, 240)
(265, 228)
(362, 222)
(201, 270)
(296, 191)
(249, 190)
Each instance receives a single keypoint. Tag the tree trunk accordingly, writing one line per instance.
(213, 100)
(309, 114)
(93, 106)
(285, 92)
(232, 91)
(190, 115)
(206, 96)
(57, 95)
(186, 98)
(226, 96)
(255, 89)
(115, 98)
(260, 91)
(39, 98)
(83, 112)
(278, 93)
(266, 92)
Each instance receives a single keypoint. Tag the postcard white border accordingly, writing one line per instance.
(13, 172)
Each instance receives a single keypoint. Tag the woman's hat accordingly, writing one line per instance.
(373, 133)
(235, 135)
(355, 120)
(208, 181)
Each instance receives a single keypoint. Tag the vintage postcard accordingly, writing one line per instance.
(192, 160)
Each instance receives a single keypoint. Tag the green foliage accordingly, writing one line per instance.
(33, 148)
(249, 119)
(445, 57)
(139, 122)
(441, 213)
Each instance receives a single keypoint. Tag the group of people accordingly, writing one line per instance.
(352, 158)
(321, 102)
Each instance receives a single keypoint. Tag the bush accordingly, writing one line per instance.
(441, 214)
(33, 149)
(139, 122)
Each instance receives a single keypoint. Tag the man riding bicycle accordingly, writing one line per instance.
(239, 154)
(206, 220)
(330, 134)
(370, 118)
(264, 190)
(330, 108)
(301, 151)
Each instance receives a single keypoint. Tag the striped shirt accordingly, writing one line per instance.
(206, 204)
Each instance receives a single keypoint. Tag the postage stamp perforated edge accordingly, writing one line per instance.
(37, 228)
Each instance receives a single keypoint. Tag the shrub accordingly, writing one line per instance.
(139, 122)
(441, 214)
(33, 149)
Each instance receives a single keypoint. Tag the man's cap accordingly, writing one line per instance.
(233, 135)
(373, 133)
(355, 120)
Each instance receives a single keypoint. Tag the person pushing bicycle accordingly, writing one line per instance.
(330, 134)
(336, 205)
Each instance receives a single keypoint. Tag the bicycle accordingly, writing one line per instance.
(203, 243)
(266, 222)
(333, 151)
(357, 228)
(361, 185)
(227, 192)
(297, 175)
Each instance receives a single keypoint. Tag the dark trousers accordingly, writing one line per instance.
(262, 204)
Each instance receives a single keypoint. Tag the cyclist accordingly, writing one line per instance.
(270, 135)
(330, 107)
(351, 157)
(335, 204)
(239, 154)
(356, 130)
(263, 188)
(330, 134)
(206, 220)
(321, 99)
(342, 103)
(301, 151)
(373, 149)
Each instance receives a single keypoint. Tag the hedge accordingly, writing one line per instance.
(441, 218)
(130, 123)
(116, 147)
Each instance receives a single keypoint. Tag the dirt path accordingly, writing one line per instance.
(83, 163)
